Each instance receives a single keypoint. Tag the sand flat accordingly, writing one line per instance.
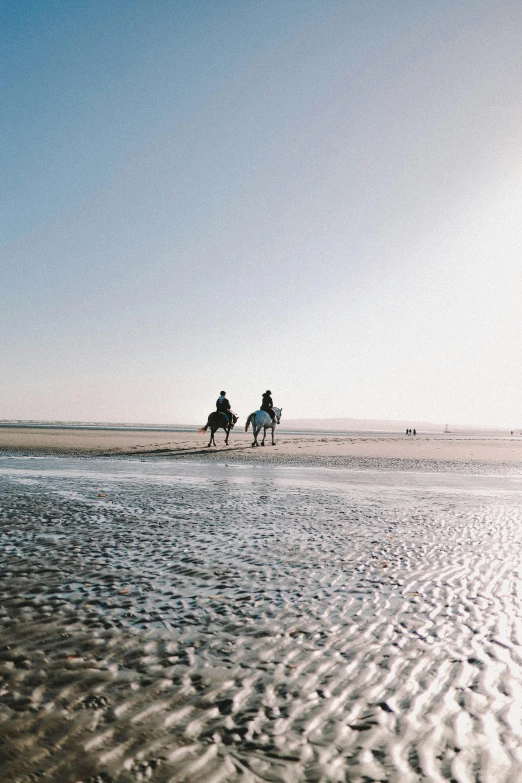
(289, 447)
(179, 620)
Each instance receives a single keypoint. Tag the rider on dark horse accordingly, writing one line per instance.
(223, 405)
(267, 405)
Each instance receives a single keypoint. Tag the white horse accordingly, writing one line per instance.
(261, 420)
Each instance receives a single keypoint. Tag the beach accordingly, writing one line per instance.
(202, 619)
(314, 206)
(341, 449)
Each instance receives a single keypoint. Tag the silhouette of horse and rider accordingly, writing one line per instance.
(224, 418)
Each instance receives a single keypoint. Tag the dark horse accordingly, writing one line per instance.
(217, 421)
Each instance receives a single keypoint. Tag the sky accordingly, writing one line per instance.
(320, 198)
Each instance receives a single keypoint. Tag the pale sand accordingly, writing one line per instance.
(289, 447)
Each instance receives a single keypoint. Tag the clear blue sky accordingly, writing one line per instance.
(320, 198)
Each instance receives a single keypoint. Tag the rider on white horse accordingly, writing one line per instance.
(264, 419)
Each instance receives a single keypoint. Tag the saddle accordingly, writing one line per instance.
(231, 416)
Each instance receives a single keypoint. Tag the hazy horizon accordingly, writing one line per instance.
(335, 424)
(319, 198)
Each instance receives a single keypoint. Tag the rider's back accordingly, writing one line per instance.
(222, 404)
(267, 403)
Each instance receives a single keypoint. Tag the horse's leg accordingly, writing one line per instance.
(210, 441)
(256, 432)
(273, 441)
(264, 436)
(227, 432)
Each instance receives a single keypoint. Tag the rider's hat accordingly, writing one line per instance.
(222, 392)
(268, 391)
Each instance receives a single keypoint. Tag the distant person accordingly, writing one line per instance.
(223, 405)
(512, 432)
(407, 432)
(267, 405)
(414, 431)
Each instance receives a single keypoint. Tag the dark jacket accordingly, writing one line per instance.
(222, 405)
(267, 403)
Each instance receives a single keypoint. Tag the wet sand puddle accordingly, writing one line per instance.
(202, 622)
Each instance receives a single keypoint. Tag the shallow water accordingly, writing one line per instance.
(320, 624)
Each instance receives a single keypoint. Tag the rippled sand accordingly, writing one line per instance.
(192, 621)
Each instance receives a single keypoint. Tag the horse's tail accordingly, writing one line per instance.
(205, 428)
(249, 421)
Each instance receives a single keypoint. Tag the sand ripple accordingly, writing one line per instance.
(207, 623)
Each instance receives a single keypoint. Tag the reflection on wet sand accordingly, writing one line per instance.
(198, 621)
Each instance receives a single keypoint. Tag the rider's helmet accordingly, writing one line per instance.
(222, 393)
(268, 391)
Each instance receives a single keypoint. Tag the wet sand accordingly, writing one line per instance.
(193, 620)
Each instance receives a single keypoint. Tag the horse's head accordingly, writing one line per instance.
(234, 419)
(278, 412)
